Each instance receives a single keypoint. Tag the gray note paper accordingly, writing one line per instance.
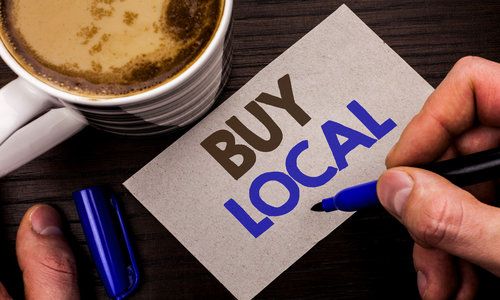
(238, 195)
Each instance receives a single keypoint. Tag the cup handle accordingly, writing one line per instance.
(21, 139)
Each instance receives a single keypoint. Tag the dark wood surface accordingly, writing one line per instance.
(368, 257)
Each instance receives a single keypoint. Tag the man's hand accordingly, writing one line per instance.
(45, 258)
(452, 229)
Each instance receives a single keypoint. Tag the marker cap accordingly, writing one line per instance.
(108, 241)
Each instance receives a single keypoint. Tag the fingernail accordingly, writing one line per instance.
(46, 221)
(421, 283)
(395, 188)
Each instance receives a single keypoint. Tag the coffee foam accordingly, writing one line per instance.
(105, 48)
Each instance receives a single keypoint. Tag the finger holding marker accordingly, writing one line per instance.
(440, 215)
(471, 90)
(433, 224)
(476, 140)
(469, 95)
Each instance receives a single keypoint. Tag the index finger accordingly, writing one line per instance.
(469, 94)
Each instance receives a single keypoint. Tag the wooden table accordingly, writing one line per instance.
(368, 257)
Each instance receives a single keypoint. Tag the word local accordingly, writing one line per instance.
(331, 130)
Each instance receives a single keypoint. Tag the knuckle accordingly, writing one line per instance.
(440, 222)
(468, 60)
(467, 64)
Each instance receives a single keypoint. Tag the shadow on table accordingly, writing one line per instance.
(10, 274)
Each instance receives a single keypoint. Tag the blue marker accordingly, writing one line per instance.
(462, 171)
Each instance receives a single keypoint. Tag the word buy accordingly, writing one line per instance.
(222, 146)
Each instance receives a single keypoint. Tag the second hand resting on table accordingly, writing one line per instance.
(454, 230)
(45, 257)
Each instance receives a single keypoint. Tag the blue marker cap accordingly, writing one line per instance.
(108, 241)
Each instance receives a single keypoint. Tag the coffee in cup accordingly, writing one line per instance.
(108, 48)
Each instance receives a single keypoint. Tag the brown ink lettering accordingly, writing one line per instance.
(223, 156)
(257, 142)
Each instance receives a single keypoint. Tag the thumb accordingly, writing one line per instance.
(440, 215)
(45, 258)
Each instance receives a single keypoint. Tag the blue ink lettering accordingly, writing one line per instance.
(270, 210)
(256, 229)
(332, 130)
(378, 130)
(293, 169)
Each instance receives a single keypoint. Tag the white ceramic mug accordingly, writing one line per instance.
(34, 116)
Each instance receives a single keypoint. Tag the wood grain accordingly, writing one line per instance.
(369, 257)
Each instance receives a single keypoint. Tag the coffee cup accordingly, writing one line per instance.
(36, 115)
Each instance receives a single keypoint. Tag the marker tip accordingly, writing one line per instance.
(317, 207)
